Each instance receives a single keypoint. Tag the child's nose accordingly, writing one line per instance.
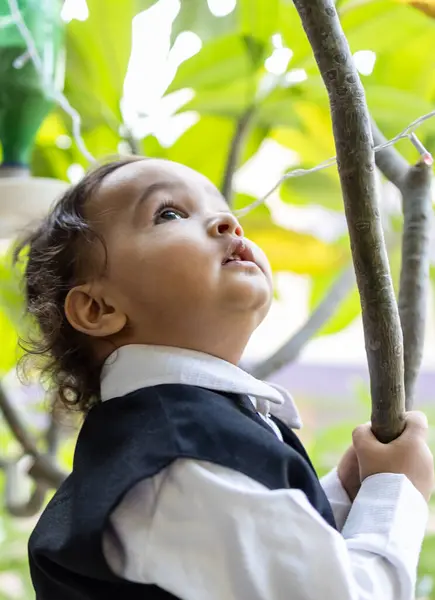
(225, 224)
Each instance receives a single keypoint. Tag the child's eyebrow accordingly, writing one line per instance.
(154, 187)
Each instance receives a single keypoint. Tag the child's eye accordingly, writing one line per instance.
(168, 214)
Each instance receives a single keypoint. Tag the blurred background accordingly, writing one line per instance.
(231, 89)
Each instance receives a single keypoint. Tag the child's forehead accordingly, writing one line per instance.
(125, 185)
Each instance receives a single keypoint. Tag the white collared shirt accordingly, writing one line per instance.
(205, 532)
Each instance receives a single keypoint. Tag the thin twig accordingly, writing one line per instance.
(234, 152)
(355, 159)
(322, 313)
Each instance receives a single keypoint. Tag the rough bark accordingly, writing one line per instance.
(355, 159)
(414, 184)
(322, 313)
(234, 152)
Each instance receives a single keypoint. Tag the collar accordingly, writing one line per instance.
(134, 367)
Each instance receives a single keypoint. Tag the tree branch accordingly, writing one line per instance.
(414, 184)
(355, 158)
(16, 425)
(43, 470)
(235, 150)
(388, 160)
(414, 274)
(322, 313)
(14, 503)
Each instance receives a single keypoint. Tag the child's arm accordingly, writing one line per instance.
(337, 496)
(201, 531)
(341, 485)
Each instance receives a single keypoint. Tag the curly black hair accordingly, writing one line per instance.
(57, 256)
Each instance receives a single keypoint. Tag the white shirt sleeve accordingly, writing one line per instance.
(337, 496)
(200, 531)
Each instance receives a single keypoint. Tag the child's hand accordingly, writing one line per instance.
(408, 454)
(348, 473)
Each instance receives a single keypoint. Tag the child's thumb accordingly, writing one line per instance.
(362, 437)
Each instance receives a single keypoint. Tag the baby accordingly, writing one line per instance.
(184, 486)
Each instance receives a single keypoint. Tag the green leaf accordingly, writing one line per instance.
(230, 100)
(426, 564)
(253, 22)
(328, 445)
(48, 160)
(312, 139)
(98, 51)
(196, 16)
(289, 250)
(204, 147)
(254, 138)
(219, 62)
(12, 321)
(407, 68)
(348, 310)
(256, 50)
(259, 18)
(278, 109)
(152, 148)
(234, 98)
(393, 108)
(11, 292)
(294, 35)
(386, 23)
(321, 187)
(9, 345)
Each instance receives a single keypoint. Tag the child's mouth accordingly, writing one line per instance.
(239, 254)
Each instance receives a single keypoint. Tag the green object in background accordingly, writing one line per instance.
(26, 97)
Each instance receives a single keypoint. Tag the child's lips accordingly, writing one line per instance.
(244, 264)
(239, 254)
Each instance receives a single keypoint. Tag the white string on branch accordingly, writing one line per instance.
(408, 132)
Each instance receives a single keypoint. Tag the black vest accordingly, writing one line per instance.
(128, 439)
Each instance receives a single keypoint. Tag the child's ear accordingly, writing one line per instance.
(90, 312)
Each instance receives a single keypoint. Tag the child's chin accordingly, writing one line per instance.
(254, 294)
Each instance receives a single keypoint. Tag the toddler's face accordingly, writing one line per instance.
(178, 267)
